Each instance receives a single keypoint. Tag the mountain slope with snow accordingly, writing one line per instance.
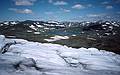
(33, 58)
(99, 34)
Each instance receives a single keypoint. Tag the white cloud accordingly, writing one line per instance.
(93, 15)
(23, 11)
(65, 10)
(26, 11)
(24, 2)
(78, 6)
(96, 15)
(48, 13)
(50, 1)
(104, 3)
(60, 3)
(109, 7)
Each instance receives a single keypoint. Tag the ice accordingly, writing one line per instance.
(33, 58)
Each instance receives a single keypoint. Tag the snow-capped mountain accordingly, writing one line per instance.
(99, 34)
(106, 26)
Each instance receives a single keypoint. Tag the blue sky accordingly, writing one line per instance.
(60, 10)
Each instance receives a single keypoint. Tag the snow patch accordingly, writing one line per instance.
(2, 41)
(33, 27)
(56, 37)
(36, 32)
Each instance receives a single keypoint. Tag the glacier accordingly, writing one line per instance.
(24, 57)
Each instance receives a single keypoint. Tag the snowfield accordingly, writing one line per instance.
(56, 37)
(32, 58)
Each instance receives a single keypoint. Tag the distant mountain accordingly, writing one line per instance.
(99, 34)
(100, 28)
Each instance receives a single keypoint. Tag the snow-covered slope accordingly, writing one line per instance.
(33, 58)
(2, 39)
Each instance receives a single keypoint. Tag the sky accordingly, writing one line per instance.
(59, 10)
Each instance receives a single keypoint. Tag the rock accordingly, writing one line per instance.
(28, 63)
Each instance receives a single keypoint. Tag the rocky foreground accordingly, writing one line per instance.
(21, 57)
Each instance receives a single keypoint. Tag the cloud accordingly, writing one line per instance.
(78, 6)
(65, 10)
(24, 2)
(50, 1)
(95, 15)
(49, 13)
(23, 11)
(76, 18)
(109, 7)
(104, 3)
(60, 3)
